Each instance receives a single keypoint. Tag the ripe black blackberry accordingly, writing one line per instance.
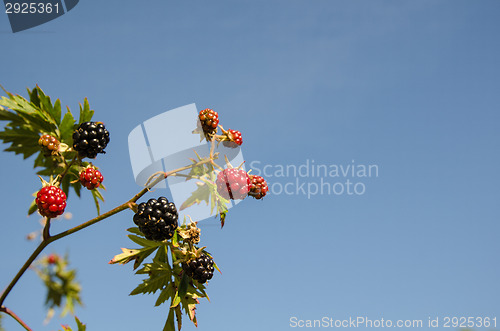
(200, 269)
(90, 138)
(157, 219)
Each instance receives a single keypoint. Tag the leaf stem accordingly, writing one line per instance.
(13, 315)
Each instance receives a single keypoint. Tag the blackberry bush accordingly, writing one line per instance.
(179, 268)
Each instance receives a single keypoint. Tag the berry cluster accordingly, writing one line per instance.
(200, 269)
(209, 121)
(156, 219)
(258, 187)
(49, 144)
(233, 184)
(51, 201)
(90, 139)
(91, 178)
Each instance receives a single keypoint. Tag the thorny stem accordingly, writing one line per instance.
(47, 238)
(17, 318)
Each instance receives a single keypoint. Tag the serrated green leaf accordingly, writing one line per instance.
(202, 193)
(161, 255)
(66, 128)
(144, 242)
(170, 324)
(137, 255)
(56, 111)
(135, 230)
(85, 112)
(47, 109)
(81, 326)
(34, 99)
(183, 285)
(165, 294)
(152, 284)
(6, 115)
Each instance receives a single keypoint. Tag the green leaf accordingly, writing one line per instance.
(33, 207)
(165, 294)
(85, 112)
(66, 128)
(202, 193)
(144, 242)
(96, 194)
(152, 284)
(170, 324)
(56, 111)
(34, 99)
(62, 289)
(65, 185)
(178, 316)
(161, 255)
(135, 230)
(183, 285)
(176, 300)
(81, 326)
(137, 255)
(175, 239)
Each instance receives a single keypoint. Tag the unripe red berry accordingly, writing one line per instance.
(91, 178)
(233, 184)
(234, 137)
(52, 259)
(258, 187)
(49, 144)
(209, 120)
(51, 201)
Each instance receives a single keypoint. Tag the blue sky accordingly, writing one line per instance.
(411, 86)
